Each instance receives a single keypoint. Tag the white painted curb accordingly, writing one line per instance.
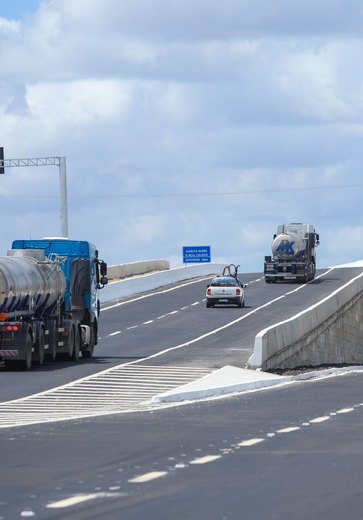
(233, 380)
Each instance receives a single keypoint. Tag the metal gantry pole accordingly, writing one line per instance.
(63, 196)
(48, 161)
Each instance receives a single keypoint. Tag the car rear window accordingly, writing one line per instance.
(224, 282)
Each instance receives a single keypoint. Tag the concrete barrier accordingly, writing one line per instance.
(152, 281)
(116, 272)
(329, 332)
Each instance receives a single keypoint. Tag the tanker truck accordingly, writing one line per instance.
(293, 254)
(49, 306)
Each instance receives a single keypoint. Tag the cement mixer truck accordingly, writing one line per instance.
(49, 306)
(293, 254)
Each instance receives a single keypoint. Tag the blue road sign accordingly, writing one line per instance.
(196, 254)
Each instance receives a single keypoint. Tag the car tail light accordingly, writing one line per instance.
(238, 292)
(209, 291)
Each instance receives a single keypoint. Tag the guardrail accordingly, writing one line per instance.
(149, 282)
(330, 332)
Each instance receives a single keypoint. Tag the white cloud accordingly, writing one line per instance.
(8, 27)
(185, 123)
(79, 102)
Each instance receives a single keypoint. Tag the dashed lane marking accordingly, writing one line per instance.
(79, 499)
(345, 410)
(116, 390)
(148, 476)
(206, 459)
(289, 430)
(320, 419)
(250, 442)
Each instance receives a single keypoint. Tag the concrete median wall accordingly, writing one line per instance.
(330, 332)
(149, 282)
(116, 272)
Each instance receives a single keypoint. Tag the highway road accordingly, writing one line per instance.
(289, 452)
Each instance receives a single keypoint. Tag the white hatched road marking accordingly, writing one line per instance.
(119, 389)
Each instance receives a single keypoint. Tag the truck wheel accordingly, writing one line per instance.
(51, 352)
(25, 364)
(39, 347)
(91, 346)
(77, 344)
(70, 343)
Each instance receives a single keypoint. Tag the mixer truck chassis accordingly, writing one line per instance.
(293, 254)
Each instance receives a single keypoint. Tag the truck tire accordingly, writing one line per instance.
(71, 343)
(25, 364)
(77, 344)
(39, 346)
(91, 346)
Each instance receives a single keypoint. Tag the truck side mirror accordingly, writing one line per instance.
(103, 268)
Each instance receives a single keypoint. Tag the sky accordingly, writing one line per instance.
(184, 123)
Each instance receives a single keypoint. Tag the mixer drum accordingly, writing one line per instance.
(288, 246)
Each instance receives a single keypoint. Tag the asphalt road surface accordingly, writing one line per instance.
(175, 320)
(289, 452)
(293, 452)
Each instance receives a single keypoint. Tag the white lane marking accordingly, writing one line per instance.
(173, 312)
(195, 303)
(319, 419)
(156, 293)
(79, 499)
(114, 333)
(132, 327)
(147, 477)
(185, 307)
(250, 442)
(159, 318)
(147, 322)
(253, 281)
(288, 430)
(345, 410)
(206, 459)
(227, 325)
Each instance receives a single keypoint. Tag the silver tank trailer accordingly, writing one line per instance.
(29, 282)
